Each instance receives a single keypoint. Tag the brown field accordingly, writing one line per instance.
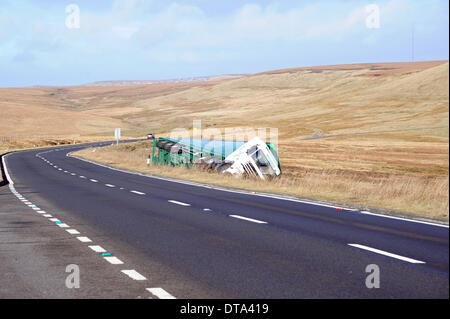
(419, 194)
(384, 126)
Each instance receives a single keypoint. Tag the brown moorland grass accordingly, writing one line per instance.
(416, 193)
(390, 121)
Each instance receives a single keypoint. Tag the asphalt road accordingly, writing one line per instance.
(154, 238)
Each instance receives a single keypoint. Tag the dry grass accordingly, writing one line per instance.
(419, 193)
(394, 117)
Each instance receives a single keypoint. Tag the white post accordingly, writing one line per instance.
(117, 135)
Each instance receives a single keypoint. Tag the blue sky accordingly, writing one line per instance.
(155, 39)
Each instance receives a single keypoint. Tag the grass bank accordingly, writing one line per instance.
(407, 190)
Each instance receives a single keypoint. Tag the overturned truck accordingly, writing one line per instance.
(253, 158)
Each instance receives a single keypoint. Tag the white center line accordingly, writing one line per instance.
(133, 274)
(381, 252)
(249, 219)
(178, 203)
(136, 192)
(97, 249)
(160, 293)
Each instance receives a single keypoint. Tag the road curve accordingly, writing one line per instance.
(200, 242)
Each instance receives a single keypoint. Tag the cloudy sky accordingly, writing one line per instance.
(42, 42)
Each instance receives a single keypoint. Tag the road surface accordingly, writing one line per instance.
(134, 236)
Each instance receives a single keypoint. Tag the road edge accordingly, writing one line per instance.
(418, 218)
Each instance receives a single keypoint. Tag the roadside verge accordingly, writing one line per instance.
(338, 205)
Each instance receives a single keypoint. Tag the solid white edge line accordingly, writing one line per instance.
(248, 219)
(218, 188)
(133, 274)
(8, 177)
(160, 293)
(178, 203)
(404, 219)
(385, 253)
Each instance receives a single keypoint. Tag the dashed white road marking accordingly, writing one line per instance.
(249, 219)
(73, 174)
(47, 215)
(97, 249)
(94, 180)
(63, 225)
(110, 185)
(160, 293)
(178, 203)
(133, 274)
(136, 192)
(73, 231)
(84, 239)
(113, 260)
(82, 176)
(206, 209)
(382, 252)
(54, 220)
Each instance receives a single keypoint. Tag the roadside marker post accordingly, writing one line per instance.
(117, 135)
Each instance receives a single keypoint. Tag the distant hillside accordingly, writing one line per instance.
(300, 102)
(181, 80)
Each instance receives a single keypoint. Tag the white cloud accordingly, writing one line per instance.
(133, 33)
